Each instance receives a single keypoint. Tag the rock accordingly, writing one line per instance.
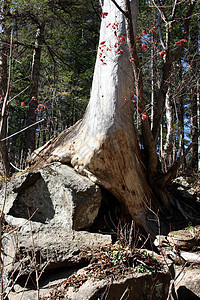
(182, 181)
(54, 194)
(45, 209)
(182, 239)
(132, 285)
(161, 241)
(190, 257)
(51, 246)
(42, 250)
(188, 282)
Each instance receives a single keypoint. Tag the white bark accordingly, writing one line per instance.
(169, 138)
(104, 144)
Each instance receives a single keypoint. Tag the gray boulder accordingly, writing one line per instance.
(40, 248)
(54, 194)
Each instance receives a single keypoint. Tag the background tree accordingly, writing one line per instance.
(63, 85)
(4, 84)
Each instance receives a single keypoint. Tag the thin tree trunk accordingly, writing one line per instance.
(198, 118)
(4, 55)
(152, 82)
(194, 52)
(169, 138)
(35, 76)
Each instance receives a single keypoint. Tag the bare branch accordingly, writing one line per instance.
(160, 31)
(125, 13)
(174, 10)
(162, 14)
(18, 94)
(18, 132)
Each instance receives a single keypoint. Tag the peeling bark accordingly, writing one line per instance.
(167, 156)
(104, 144)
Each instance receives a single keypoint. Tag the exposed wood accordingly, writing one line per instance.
(104, 144)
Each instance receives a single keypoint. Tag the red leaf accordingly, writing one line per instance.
(144, 31)
(104, 14)
(144, 46)
(144, 116)
(34, 98)
(182, 42)
(115, 24)
(64, 93)
(22, 103)
(162, 53)
(42, 106)
(131, 59)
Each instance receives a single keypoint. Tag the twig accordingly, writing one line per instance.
(18, 94)
(15, 229)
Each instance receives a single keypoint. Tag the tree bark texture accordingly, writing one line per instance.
(167, 156)
(104, 144)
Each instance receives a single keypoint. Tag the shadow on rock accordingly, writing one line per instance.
(186, 294)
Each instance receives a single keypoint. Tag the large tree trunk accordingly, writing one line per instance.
(104, 144)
